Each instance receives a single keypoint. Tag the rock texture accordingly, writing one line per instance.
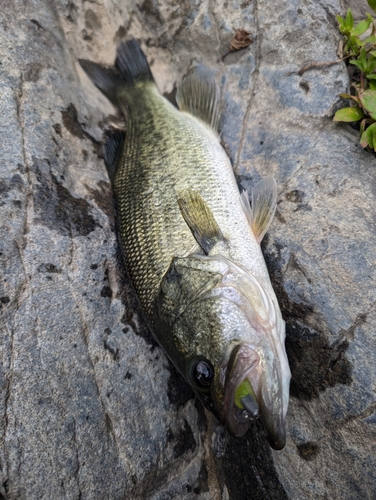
(90, 407)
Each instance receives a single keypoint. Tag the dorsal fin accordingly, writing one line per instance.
(200, 220)
(264, 204)
(112, 150)
(199, 95)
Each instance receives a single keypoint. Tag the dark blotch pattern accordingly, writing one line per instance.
(315, 364)
(178, 390)
(308, 451)
(48, 268)
(184, 441)
(253, 476)
(32, 72)
(106, 292)
(70, 121)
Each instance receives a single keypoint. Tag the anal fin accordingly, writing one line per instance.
(200, 220)
(264, 204)
(112, 150)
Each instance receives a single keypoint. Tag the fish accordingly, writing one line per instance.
(191, 244)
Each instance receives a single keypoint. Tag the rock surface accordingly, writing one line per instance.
(90, 407)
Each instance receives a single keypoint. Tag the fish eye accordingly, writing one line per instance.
(203, 372)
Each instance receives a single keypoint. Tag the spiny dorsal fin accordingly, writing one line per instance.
(130, 66)
(264, 204)
(200, 96)
(112, 150)
(200, 220)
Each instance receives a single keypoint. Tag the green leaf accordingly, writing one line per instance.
(341, 24)
(372, 85)
(349, 20)
(361, 27)
(348, 115)
(372, 4)
(361, 62)
(371, 64)
(368, 137)
(370, 39)
(368, 100)
(371, 77)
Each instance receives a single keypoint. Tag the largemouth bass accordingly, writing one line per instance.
(192, 245)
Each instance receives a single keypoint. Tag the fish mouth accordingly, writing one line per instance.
(244, 398)
(240, 405)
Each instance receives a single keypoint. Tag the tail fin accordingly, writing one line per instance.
(131, 63)
(131, 66)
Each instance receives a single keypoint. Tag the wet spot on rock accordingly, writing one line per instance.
(248, 466)
(304, 85)
(57, 128)
(104, 198)
(308, 451)
(37, 24)
(184, 441)
(32, 72)
(48, 268)
(120, 34)
(4, 188)
(151, 11)
(315, 365)
(114, 352)
(178, 390)
(16, 182)
(295, 196)
(70, 121)
(56, 208)
(92, 22)
(106, 292)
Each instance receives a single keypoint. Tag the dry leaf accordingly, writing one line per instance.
(241, 40)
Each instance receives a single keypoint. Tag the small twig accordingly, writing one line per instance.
(362, 80)
(316, 65)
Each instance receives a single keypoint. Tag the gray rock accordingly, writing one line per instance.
(90, 407)
(359, 8)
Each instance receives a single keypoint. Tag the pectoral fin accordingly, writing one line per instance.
(200, 220)
(264, 204)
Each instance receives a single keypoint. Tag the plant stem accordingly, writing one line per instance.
(361, 80)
